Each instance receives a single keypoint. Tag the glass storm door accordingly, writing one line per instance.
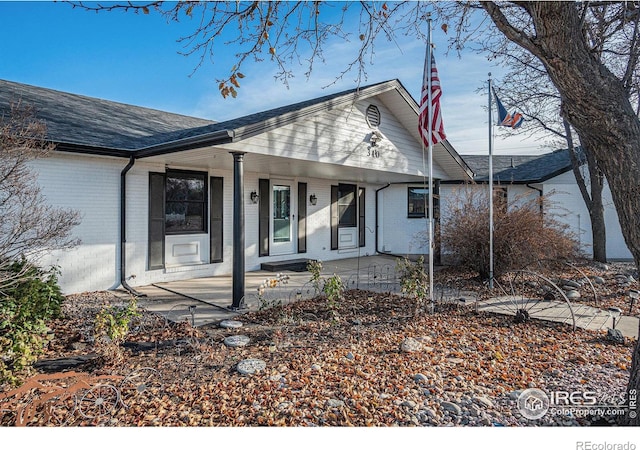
(282, 218)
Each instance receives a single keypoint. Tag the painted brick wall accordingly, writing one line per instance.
(400, 235)
(570, 208)
(91, 185)
(92, 189)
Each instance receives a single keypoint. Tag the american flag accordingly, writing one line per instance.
(437, 127)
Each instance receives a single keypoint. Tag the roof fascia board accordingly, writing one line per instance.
(92, 150)
(530, 181)
(216, 138)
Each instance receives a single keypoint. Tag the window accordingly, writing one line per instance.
(343, 210)
(347, 205)
(418, 200)
(186, 202)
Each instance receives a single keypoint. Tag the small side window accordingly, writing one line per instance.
(417, 202)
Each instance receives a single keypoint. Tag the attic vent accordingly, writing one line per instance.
(373, 116)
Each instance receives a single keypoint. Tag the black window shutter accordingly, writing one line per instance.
(216, 242)
(264, 217)
(302, 217)
(361, 218)
(156, 220)
(334, 217)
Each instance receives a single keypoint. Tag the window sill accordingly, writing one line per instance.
(186, 233)
(187, 268)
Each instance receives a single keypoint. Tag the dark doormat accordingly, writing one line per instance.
(293, 265)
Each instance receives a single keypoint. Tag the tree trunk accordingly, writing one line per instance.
(598, 228)
(596, 104)
(592, 197)
(596, 209)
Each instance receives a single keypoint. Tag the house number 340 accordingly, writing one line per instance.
(373, 153)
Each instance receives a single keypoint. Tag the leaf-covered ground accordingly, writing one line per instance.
(327, 366)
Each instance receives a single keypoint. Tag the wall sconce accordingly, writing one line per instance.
(375, 138)
(313, 199)
(254, 197)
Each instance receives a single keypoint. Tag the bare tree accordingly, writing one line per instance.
(609, 35)
(28, 225)
(597, 81)
(527, 85)
(283, 33)
(589, 50)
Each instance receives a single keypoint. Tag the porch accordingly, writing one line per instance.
(204, 301)
(208, 300)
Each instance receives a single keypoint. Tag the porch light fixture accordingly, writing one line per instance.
(313, 199)
(375, 138)
(254, 197)
(615, 313)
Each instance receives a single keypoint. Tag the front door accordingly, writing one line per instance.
(282, 217)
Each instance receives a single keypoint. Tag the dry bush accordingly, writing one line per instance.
(522, 234)
(28, 225)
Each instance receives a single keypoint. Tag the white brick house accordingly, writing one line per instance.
(166, 197)
(550, 175)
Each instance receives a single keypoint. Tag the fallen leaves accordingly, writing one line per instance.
(355, 360)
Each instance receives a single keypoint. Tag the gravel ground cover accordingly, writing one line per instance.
(368, 361)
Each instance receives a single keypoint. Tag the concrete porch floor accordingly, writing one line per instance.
(206, 300)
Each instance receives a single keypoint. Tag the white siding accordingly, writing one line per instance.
(341, 136)
(337, 137)
(91, 185)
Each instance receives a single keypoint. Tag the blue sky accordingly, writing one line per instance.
(134, 58)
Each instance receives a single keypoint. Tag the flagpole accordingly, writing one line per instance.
(490, 191)
(430, 158)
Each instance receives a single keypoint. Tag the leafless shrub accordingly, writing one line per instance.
(28, 225)
(522, 233)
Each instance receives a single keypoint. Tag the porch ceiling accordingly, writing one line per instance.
(277, 166)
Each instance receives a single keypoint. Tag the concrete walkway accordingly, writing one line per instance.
(207, 300)
(579, 314)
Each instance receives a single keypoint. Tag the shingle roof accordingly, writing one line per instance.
(80, 120)
(100, 124)
(520, 169)
(90, 125)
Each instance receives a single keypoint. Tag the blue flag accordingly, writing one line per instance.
(506, 119)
